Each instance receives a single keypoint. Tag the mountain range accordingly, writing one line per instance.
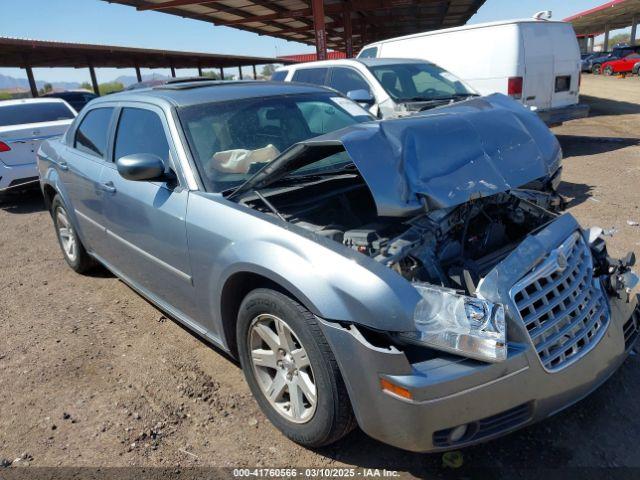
(8, 82)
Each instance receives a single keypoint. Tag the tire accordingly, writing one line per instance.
(608, 71)
(72, 249)
(308, 424)
(596, 69)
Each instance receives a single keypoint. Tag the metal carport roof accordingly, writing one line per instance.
(29, 54)
(342, 25)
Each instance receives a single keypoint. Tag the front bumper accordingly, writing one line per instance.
(556, 116)
(17, 176)
(493, 399)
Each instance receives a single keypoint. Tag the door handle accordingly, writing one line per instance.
(63, 166)
(108, 187)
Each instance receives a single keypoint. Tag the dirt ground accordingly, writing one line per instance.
(93, 375)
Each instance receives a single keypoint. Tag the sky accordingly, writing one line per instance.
(96, 21)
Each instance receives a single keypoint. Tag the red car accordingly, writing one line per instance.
(621, 65)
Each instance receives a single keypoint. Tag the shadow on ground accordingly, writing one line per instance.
(28, 201)
(605, 106)
(576, 193)
(578, 145)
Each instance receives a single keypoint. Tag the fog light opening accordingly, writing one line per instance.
(458, 433)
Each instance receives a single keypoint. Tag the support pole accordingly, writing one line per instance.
(240, 72)
(173, 72)
(605, 45)
(348, 34)
(255, 75)
(221, 73)
(94, 80)
(32, 82)
(199, 71)
(317, 6)
(590, 43)
(138, 74)
(634, 28)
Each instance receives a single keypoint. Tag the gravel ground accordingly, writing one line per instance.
(93, 375)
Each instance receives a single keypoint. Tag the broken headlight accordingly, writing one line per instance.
(455, 323)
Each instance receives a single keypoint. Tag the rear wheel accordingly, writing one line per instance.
(72, 249)
(291, 370)
(608, 71)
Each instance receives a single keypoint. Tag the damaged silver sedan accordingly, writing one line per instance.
(405, 275)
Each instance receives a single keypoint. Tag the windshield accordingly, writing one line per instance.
(407, 82)
(231, 141)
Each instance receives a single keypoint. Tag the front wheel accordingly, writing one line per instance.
(596, 69)
(72, 249)
(608, 71)
(291, 370)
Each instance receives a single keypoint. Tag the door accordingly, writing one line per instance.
(145, 220)
(80, 169)
(539, 77)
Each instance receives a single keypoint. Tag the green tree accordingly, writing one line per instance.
(110, 87)
(86, 86)
(267, 71)
(5, 96)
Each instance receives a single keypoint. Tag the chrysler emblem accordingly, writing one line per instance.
(562, 261)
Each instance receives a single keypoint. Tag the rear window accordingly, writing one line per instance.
(279, 76)
(34, 113)
(316, 76)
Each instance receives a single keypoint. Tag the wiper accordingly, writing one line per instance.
(349, 167)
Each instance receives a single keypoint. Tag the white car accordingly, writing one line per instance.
(24, 124)
(535, 61)
(387, 87)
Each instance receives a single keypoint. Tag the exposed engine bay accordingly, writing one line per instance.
(453, 247)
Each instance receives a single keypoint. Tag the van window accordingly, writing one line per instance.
(141, 131)
(371, 52)
(346, 79)
(91, 136)
(316, 76)
(279, 76)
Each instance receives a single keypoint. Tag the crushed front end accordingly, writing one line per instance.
(571, 319)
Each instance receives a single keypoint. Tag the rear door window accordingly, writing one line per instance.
(347, 79)
(141, 131)
(91, 135)
(316, 76)
(34, 113)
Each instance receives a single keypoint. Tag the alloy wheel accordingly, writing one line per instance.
(282, 369)
(66, 234)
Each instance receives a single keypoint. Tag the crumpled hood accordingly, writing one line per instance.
(444, 157)
(452, 154)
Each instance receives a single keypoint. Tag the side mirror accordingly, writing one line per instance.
(140, 167)
(361, 96)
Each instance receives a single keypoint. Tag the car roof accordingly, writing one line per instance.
(23, 101)
(195, 93)
(369, 62)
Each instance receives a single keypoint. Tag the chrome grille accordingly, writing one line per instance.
(562, 305)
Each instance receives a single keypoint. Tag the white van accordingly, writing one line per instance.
(534, 61)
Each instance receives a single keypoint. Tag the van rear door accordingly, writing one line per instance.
(552, 64)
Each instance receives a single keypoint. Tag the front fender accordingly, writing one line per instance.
(332, 281)
(330, 286)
